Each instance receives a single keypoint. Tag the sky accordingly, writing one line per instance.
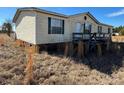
(109, 15)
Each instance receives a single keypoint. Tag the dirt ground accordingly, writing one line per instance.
(52, 69)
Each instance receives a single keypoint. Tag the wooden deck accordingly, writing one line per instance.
(92, 41)
(91, 37)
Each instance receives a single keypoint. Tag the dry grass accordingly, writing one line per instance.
(118, 38)
(56, 70)
(51, 69)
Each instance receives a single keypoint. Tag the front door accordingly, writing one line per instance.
(78, 27)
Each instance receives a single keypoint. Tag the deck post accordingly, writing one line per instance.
(71, 49)
(66, 49)
(99, 50)
(108, 44)
(114, 46)
(80, 49)
(86, 48)
(118, 48)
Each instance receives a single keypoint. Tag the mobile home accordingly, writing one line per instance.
(37, 26)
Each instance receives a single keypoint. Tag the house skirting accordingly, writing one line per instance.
(32, 48)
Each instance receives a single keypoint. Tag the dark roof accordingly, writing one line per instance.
(54, 13)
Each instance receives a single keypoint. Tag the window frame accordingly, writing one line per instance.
(99, 29)
(109, 30)
(53, 25)
(87, 27)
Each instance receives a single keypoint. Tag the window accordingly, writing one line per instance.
(55, 26)
(87, 28)
(109, 30)
(85, 18)
(99, 29)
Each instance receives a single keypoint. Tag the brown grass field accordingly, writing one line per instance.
(56, 69)
(118, 38)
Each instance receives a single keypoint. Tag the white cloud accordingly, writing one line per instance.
(118, 13)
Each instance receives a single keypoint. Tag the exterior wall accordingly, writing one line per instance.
(42, 36)
(80, 19)
(25, 27)
(32, 27)
(105, 29)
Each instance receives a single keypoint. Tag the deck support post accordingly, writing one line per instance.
(108, 44)
(80, 49)
(118, 48)
(99, 50)
(71, 47)
(86, 48)
(115, 46)
(66, 49)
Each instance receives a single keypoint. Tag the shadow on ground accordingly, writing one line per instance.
(109, 62)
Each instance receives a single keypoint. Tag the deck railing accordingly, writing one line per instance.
(88, 36)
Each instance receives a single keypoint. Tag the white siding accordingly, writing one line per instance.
(26, 27)
(80, 18)
(42, 36)
(32, 27)
(105, 29)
